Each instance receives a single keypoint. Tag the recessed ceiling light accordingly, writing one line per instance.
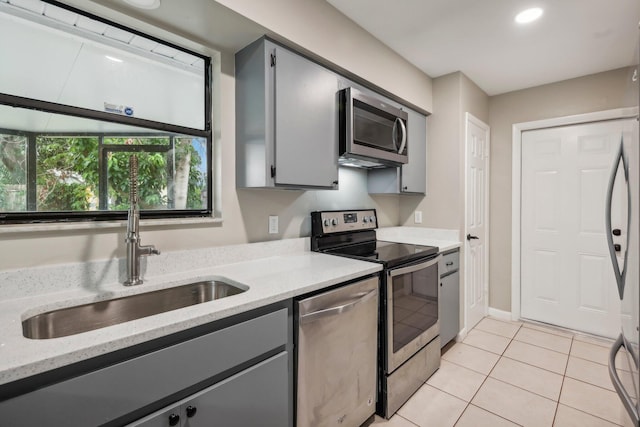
(529, 15)
(144, 4)
(113, 58)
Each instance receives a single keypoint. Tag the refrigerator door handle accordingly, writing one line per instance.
(627, 401)
(619, 274)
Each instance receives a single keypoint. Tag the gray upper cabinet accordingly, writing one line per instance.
(286, 120)
(410, 178)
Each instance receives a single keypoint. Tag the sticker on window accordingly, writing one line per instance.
(118, 109)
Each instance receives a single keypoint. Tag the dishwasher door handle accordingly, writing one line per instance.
(338, 309)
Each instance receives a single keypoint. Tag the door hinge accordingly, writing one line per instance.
(273, 59)
(273, 171)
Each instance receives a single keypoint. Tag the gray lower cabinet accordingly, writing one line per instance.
(286, 120)
(449, 307)
(410, 178)
(254, 397)
(244, 363)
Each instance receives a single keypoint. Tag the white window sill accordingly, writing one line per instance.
(102, 225)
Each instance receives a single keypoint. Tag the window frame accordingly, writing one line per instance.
(85, 113)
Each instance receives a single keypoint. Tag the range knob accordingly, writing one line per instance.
(326, 222)
(365, 219)
(334, 221)
(372, 219)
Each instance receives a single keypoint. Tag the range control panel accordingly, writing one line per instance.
(328, 222)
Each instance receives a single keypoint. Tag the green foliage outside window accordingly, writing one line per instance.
(68, 173)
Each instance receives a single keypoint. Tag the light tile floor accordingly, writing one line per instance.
(517, 374)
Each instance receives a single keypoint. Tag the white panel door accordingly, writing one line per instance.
(476, 248)
(566, 276)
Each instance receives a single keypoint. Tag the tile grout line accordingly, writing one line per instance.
(564, 376)
(406, 419)
(485, 380)
(529, 364)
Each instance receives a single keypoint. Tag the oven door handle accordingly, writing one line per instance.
(410, 269)
(339, 309)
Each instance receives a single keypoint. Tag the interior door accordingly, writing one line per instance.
(566, 275)
(476, 248)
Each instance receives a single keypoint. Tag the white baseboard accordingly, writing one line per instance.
(461, 335)
(499, 314)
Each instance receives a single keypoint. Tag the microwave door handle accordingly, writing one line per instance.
(612, 253)
(403, 128)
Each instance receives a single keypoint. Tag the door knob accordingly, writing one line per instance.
(470, 237)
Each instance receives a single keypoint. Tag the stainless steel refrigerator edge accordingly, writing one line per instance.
(624, 248)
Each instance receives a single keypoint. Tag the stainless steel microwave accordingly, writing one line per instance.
(372, 132)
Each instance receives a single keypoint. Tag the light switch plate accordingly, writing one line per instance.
(273, 224)
(417, 217)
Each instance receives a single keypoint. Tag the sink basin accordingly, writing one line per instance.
(87, 317)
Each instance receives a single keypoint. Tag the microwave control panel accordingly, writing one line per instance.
(329, 222)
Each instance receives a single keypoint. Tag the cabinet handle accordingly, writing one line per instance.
(470, 237)
(616, 232)
(450, 263)
(174, 419)
(191, 411)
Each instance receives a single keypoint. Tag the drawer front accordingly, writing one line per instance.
(449, 262)
(112, 392)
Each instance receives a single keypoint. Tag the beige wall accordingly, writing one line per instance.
(443, 206)
(596, 92)
(245, 212)
(317, 26)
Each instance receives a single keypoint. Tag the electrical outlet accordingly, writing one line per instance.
(273, 224)
(417, 217)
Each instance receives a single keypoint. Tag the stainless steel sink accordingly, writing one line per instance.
(87, 317)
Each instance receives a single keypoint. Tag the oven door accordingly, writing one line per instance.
(412, 310)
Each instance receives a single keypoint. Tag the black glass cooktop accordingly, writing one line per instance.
(388, 253)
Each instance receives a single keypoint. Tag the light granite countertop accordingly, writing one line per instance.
(289, 270)
(444, 239)
(273, 271)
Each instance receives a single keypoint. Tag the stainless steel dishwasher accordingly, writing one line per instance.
(337, 342)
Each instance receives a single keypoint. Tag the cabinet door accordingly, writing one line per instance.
(414, 173)
(258, 396)
(167, 417)
(306, 122)
(449, 307)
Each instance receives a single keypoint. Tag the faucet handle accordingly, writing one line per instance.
(155, 251)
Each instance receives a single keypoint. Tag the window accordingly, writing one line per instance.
(66, 134)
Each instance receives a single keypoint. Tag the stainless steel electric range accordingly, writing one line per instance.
(409, 342)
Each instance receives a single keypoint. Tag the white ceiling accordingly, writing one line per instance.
(480, 38)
